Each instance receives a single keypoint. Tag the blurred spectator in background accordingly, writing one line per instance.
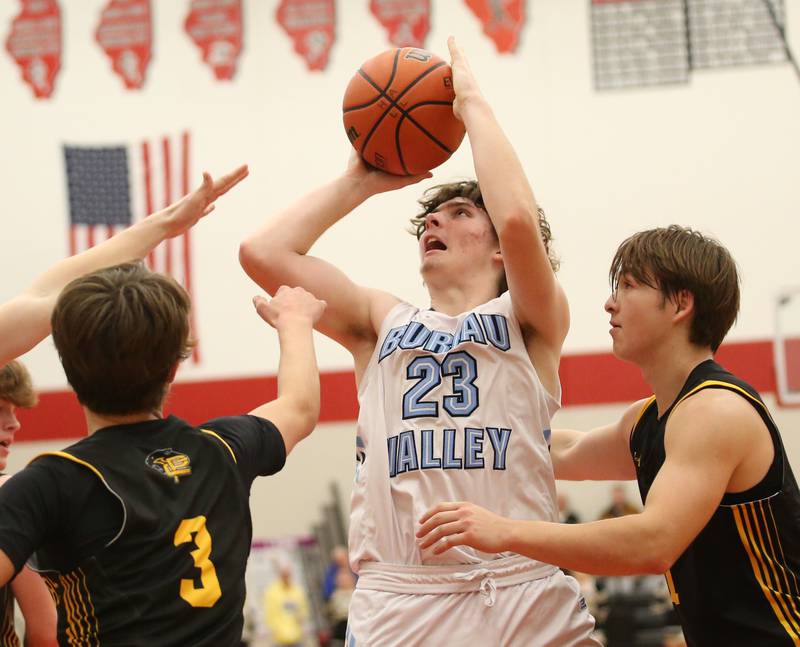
(620, 504)
(565, 513)
(339, 604)
(285, 610)
(338, 562)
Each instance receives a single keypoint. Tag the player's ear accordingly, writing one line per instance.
(684, 304)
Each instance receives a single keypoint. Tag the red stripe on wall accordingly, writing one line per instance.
(586, 379)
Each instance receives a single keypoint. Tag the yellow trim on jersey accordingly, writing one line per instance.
(74, 460)
(775, 560)
(91, 604)
(81, 620)
(783, 556)
(220, 439)
(727, 385)
(762, 563)
(644, 408)
(9, 636)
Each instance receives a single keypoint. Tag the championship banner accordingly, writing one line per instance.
(125, 34)
(310, 24)
(112, 186)
(502, 21)
(35, 44)
(215, 26)
(406, 21)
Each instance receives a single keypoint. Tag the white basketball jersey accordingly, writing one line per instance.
(451, 409)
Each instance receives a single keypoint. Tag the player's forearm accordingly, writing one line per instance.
(299, 226)
(298, 373)
(37, 608)
(25, 320)
(562, 441)
(623, 546)
(504, 185)
(131, 244)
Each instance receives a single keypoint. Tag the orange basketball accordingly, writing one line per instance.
(398, 111)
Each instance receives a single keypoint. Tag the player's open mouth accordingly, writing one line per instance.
(434, 243)
(5, 443)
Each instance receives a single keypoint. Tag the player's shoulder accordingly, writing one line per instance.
(715, 415)
(723, 403)
(633, 412)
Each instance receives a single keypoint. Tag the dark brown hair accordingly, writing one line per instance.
(120, 332)
(16, 386)
(677, 258)
(469, 189)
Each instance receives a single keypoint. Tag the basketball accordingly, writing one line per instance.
(398, 112)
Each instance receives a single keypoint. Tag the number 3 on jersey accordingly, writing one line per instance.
(428, 372)
(207, 594)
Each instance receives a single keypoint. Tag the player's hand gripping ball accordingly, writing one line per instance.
(398, 111)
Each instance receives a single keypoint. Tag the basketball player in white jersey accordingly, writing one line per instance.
(455, 399)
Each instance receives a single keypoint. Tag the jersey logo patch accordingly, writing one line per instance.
(169, 463)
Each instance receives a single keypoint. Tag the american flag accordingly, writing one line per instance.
(111, 187)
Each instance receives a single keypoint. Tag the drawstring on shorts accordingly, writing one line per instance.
(487, 587)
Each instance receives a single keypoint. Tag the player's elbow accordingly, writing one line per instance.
(658, 553)
(517, 223)
(656, 564)
(306, 412)
(261, 263)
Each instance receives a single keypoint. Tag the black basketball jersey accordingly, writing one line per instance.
(174, 573)
(8, 635)
(738, 582)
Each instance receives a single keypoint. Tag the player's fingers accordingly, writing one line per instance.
(208, 183)
(209, 209)
(438, 531)
(437, 521)
(458, 539)
(442, 507)
(259, 302)
(227, 182)
(452, 527)
(264, 309)
(455, 52)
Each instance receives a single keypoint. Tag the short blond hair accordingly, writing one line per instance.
(16, 385)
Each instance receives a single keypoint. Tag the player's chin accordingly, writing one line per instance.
(622, 351)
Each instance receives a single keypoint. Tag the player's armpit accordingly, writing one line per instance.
(600, 454)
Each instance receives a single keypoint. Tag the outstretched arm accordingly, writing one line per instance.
(601, 454)
(277, 254)
(539, 302)
(293, 313)
(705, 443)
(25, 319)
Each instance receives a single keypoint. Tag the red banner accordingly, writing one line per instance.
(125, 34)
(215, 26)
(35, 44)
(310, 24)
(406, 21)
(502, 21)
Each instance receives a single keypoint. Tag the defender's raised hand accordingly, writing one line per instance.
(289, 305)
(184, 214)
